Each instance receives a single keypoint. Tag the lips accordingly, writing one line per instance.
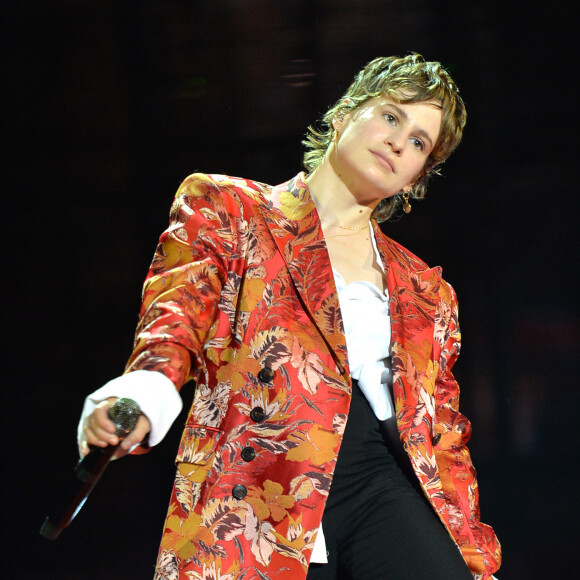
(384, 161)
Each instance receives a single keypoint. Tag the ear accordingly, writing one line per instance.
(343, 113)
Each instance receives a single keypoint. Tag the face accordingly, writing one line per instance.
(382, 146)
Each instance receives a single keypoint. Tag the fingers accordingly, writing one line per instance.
(99, 430)
(135, 437)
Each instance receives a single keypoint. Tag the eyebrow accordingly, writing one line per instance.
(420, 132)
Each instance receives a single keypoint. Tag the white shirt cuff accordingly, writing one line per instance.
(155, 394)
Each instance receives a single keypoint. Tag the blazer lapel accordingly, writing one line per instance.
(295, 226)
(413, 292)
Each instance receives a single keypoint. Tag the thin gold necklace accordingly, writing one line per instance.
(326, 236)
(345, 227)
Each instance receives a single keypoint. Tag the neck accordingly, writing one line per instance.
(335, 202)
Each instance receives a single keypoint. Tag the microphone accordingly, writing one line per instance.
(124, 413)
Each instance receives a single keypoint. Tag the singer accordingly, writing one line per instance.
(324, 440)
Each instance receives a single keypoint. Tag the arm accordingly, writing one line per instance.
(180, 299)
(183, 286)
(477, 541)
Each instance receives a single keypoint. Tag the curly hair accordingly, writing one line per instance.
(408, 79)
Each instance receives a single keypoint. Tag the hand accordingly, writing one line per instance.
(99, 430)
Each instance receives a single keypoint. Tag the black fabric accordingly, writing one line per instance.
(377, 523)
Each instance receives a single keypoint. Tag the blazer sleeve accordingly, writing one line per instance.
(183, 285)
(477, 541)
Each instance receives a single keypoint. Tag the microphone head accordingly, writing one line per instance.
(124, 413)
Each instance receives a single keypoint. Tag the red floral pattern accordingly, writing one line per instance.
(241, 282)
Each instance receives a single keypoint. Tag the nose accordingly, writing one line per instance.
(396, 142)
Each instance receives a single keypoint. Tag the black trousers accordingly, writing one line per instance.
(377, 522)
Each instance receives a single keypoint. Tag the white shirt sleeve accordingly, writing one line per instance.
(155, 394)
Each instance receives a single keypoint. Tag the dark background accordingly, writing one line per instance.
(108, 105)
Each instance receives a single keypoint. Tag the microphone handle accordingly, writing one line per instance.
(124, 413)
(86, 474)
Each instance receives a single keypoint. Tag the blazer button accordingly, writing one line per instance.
(239, 491)
(266, 375)
(257, 414)
(248, 453)
(437, 438)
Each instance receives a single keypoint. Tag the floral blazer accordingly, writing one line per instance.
(240, 298)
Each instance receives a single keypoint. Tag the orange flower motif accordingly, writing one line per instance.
(251, 293)
(316, 446)
(182, 535)
(239, 362)
(269, 502)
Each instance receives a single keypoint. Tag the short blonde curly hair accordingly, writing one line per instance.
(408, 79)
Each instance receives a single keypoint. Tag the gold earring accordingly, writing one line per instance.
(406, 205)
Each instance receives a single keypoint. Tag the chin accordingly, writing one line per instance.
(380, 190)
(380, 184)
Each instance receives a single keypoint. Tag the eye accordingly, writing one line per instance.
(390, 118)
(417, 143)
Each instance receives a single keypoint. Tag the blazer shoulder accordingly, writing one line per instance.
(447, 293)
(413, 265)
(404, 255)
(199, 184)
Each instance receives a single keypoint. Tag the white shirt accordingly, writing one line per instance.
(367, 327)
